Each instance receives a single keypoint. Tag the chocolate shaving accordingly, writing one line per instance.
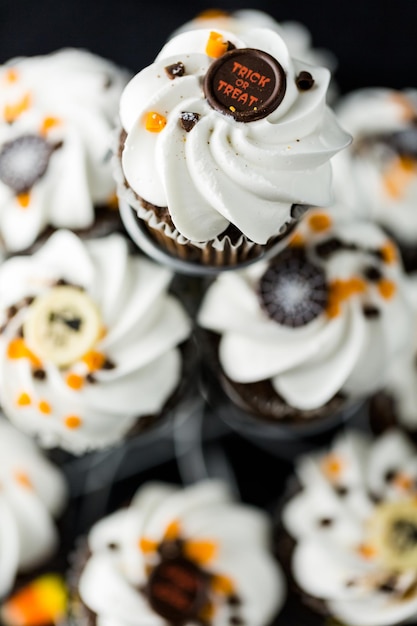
(188, 120)
(304, 81)
(175, 70)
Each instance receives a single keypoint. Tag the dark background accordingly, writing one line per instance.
(374, 41)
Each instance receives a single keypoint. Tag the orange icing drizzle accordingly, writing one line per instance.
(319, 222)
(17, 349)
(399, 175)
(73, 422)
(172, 531)
(386, 288)
(23, 479)
(94, 360)
(216, 46)
(74, 381)
(332, 466)
(341, 290)
(389, 252)
(48, 123)
(155, 122)
(44, 407)
(147, 545)
(222, 584)
(367, 551)
(24, 399)
(296, 241)
(23, 199)
(200, 551)
(42, 601)
(12, 111)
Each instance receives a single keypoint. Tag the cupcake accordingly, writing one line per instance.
(33, 495)
(350, 531)
(178, 556)
(91, 342)
(377, 176)
(225, 142)
(312, 331)
(58, 116)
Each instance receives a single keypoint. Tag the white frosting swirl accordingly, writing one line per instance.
(32, 494)
(225, 171)
(376, 178)
(226, 541)
(340, 554)
(130, 371)
(68, 102)
(349, 343)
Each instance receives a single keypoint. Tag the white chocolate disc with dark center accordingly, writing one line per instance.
(62, 325)
(393, 529)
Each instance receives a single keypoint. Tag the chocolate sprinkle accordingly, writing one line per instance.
(389, 475)
(304, 81)
(188, 120)
(234, 619)
(39, 374)
(108, 365)
(23, 161)
(342, 491)
(325, 522)
(293, 291)
(372, 273)
(175, 70)
(370, 311)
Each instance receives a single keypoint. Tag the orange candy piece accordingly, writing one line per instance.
(216, 46)
(12, 111)
(319, 222)
(73, 422)
(155, 122)
(40, 603)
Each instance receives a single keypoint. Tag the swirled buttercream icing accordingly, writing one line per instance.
(89, 341)
(377, 176)
(355, 527)
(225, 129)
(182, 556)
(32, 494)
(57, 115)
(324, 317)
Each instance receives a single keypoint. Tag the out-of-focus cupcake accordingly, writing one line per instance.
(349, 534)
(33, 495)
(376, 177)
(58, 114)
(91, 342)
(178, 556)
(313, 330)
(296, 36)
(226, 140)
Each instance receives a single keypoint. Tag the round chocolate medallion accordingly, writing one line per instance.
(393, 528)
(177, 590)
(246, 83)
(62, 325)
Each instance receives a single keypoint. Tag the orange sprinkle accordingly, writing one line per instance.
(399, 175)
(48, 123)
(333, 309)
(341, 290)
(75, 381)
(17, 349)
(367, 551)
(94, 360)
(24, 399)
(73, 422)
(154, 122)
(11, 75)
(222, 584)
(403, 481)
(386, 288)
(389, 252)
(216, 45)
(319, 222)
(332, 466)
(200, 551)
(23, 479)
(172, 531)
(44, 407)
(296, 241)
(147, 545)
(23, 199)
(12, 111)
(210, 14)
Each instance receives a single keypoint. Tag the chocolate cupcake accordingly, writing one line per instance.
(309, 334)
(178, 556)
(91, 342)
(349, 534)
(376, 177)
(58, 118)
(33, 496)
(225, 142)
